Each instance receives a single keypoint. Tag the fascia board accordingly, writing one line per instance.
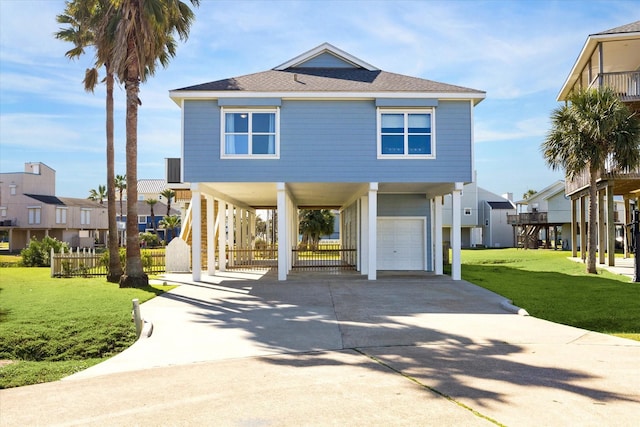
(180, 95)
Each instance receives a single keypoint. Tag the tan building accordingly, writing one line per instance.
(30, 209)
(610, 58)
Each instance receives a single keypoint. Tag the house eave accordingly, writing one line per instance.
(586, 52)
(325, 47)
(179, 96)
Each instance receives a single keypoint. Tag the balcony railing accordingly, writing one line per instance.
(527, 218)
(625, 83)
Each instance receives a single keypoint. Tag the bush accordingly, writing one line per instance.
(38, 253)
(149, 239)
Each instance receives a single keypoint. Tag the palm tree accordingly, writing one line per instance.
(143, 37)
(152, 203)
(87, 26)
(595, 128)
(315, 224)
(529, 193)
(121, 185)
(168, 194)
(170, 223)
(98, 195)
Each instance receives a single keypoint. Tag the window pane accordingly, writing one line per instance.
(264, 122)
(237, 144)
(419, 123)
(237, 122)
(392, 144)
(419, 144)
(393, 123)
(264, 144)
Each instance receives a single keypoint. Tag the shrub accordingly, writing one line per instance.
(38, 253)
(149, 239)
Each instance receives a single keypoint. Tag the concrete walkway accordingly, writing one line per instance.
(408, 349)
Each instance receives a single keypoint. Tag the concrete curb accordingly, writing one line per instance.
(508, 305)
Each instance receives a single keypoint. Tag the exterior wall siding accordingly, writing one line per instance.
(327, 141)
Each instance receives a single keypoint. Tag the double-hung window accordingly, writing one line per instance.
(61, 215)
(34, 215)
(406, 133)
(250, 133)
(85, 216)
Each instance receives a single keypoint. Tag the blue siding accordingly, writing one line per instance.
(325, 60)
(394, 102)
(327, 141)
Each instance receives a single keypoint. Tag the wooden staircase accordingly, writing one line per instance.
(186, 234)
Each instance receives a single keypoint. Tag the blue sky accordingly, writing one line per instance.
(519, 52)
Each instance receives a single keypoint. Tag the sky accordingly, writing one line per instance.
(519, 52)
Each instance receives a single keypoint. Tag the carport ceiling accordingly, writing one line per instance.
(311, 195)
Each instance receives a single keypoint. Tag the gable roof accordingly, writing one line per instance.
(346, 76)
(624, 33)
(545, 193)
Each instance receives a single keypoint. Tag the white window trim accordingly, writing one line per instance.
(13, 189)
(62, 218)
(85, 214)
(470, 210)
(3, 211)
(424, 110)
(225, 110)
(143, 218)
(37, 215)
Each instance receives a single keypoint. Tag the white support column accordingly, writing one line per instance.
(196, 236)
(437, 234)
(238, 235)
(230, 233)
(222, 235)
(211, 237)
(364, 234)
(373, 232)
(283, 241)
(358, 238)
(456, 265)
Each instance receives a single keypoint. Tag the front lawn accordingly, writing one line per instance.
(51, 328)
(552, 287)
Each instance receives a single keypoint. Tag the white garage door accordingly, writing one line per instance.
(401, 243)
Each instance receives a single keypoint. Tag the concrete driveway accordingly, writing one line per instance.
(408, 349)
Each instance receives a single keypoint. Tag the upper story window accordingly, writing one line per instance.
(34, 215)
(406, 133)
(142, 219)
(3, 212)
(12, 189)
(85, 216)
(61, 215)
(250, 133)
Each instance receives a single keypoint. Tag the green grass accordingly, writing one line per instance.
(51, 328)
(551, 287)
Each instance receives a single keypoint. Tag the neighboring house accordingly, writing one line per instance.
(29, 209)
(484, 218)
(145, 221)
(610, 58)
(326, 130)
(544, 217)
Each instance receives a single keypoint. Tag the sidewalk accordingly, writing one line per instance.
(623, 266)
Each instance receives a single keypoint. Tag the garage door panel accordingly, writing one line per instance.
(400, 244)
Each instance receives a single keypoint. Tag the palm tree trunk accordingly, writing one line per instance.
(134, 276)
(115, 267)
(593, 220)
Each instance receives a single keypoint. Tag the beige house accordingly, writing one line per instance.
(30, 209)
(610, 58)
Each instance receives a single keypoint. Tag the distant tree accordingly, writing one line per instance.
(170, 223)
(261, 227)
(315, 224)
(593, 129)
(168, 194)
(530, 192)
(152, 203)
(98, 195)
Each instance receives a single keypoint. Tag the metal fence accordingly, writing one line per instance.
(86, 263)
(324, 257)
(252, 259)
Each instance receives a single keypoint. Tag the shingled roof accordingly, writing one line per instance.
(353, 75)
(65, 201)
(633, 27)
